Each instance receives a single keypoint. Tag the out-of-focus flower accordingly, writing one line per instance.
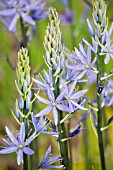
(83, 118)
(27, 10)
(18, 144)
(107, 93)
(94, 117)
(67, 17)
(53, 104)
(40, 126)
(65, 2)
(6, 22)
(47, 160)
(76, 131)
(41, 13)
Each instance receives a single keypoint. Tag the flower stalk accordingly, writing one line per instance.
(55, 61)
(24, 29)
(100, 136)
(24, 88)
(100, 22)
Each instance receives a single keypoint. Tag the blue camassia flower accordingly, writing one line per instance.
(107, 49)
(40, 126)
(67, 17)
(53, 104)
(65, 2)
(76, 131)
(107, 93)
(81, 60)
(28, 10)
(47, 160)
(44, 81)
(70, 75)
(72, 98)
(18, 144)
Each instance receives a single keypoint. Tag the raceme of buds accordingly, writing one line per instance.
(23, 83)
(99, 19)
(54, 50)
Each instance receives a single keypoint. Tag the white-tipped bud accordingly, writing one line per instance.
(28, 101)
(21, 103)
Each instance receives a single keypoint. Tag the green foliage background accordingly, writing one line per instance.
(8, 92)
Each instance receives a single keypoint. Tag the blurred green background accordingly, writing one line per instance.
(8, 92)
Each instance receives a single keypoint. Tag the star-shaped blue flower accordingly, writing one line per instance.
(73, 97)
(18, 144)
(40, 126)
(81, 60)
(29, 11)
(47, 160)
(53, 104)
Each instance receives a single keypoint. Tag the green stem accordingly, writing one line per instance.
(86, 147)
(25, 157)
(106, 133)
(70, 146)
(24, 33)
(100, 136)
(61, 129)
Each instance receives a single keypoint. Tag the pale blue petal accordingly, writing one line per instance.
(13, 22)
(50, 94)
(93, 62)
(72, 87)
(77, 105)
(61, 96)
(107, 58)
(52, 166)
(63, 108)
(39, 83)
(11, 136)
(7, 12)
(34, 121)
(71, 106)
(30, 139)
(89, 55)
(28, 19)
(19, 156)
(31, 6)
(53, 159)
(82, 51)
(79, 76)
(8, 150)
(90, 29)
(44, 111)
(55, 115)
(42, 100)
(22, 133)
(79, 94)
(7, 142)
(28, 151)
(46, 156)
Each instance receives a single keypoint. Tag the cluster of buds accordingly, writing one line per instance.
(99, 18)
(54, 50)
(23, 84)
